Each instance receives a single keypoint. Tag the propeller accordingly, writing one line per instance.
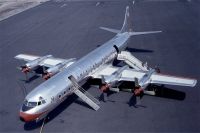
(138, 93)
(25, 69)
(106, 89)
(46, 75)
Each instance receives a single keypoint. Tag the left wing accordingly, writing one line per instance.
(155, 78)
(172, 80)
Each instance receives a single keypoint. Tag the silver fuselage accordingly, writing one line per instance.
(57, 88)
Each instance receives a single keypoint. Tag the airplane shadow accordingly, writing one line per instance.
(165, 92)
(30, 79)
(160, 90)
(136, 50)
(33, 76)
(54, 113)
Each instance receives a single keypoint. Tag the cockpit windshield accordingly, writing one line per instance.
(27, 105)
(30, 104)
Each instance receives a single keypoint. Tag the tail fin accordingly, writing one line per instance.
(127, 24)
(127, 27)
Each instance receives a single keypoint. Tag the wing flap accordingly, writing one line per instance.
(106, 70)
(49, 62)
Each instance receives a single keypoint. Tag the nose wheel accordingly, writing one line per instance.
(43, 123)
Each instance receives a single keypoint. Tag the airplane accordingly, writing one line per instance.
(63, 76)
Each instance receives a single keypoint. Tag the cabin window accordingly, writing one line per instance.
(43, 101)
(59, 96)
(39, 103)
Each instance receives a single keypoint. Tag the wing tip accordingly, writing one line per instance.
(194, 83)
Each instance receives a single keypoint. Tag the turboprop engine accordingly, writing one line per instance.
(56, 69)
(53, 70)
(33, 64)
(109, 81)
(142, 83)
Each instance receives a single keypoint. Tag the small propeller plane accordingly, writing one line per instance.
(63, 76)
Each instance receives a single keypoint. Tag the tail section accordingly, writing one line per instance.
(127, 23)
(127, 27)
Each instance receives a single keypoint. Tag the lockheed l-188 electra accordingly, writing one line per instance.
(63, 76)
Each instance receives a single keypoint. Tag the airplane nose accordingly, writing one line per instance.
(25, 117)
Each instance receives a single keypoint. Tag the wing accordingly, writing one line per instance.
(156, 78)
(48, 62)
(26, 57)
(173, 80)
(105, 70)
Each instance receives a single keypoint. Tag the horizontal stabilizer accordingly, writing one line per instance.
(144, 32)
(110, 30)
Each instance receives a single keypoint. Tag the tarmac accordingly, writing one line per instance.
(9, 8)
(69, 29)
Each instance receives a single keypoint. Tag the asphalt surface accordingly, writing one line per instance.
(71, 29)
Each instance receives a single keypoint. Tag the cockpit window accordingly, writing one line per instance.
(28, 105)
(31, 104)
(43, 101)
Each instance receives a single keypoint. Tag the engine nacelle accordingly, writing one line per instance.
(52, 71)
(33, 64)
(29, 66)
(109, 81)
(143, 82)
(56, 69)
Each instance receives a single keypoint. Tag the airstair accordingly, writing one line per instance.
(132, 61)
(84, 95)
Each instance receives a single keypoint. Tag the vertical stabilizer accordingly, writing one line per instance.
(127, 24)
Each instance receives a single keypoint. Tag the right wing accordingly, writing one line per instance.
(48, 62)
(26, 57)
